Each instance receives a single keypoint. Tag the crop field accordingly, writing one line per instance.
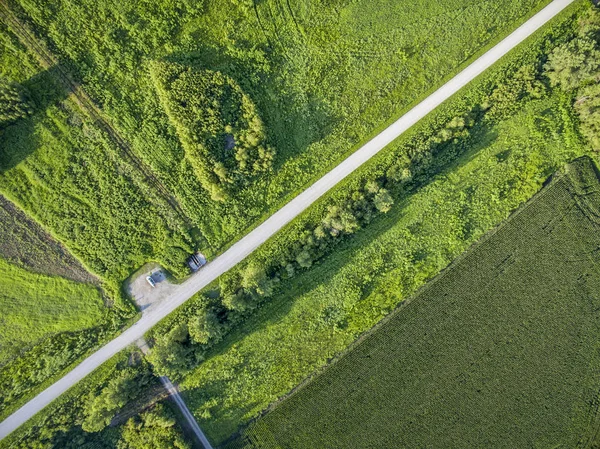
(502, 349)
(321, 76)
(27, 245)
(34, 306)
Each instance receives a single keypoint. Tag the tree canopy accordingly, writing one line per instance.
(13, 104)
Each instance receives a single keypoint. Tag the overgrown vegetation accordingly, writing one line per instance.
(322, 76)
(575, 67)
(13, 105)
(119, 388)
(66, 173)
(305, 79)
(408, 168)
(494, 333)
(220, 131)
(27, 245)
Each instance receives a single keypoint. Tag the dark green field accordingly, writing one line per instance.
(501, 350)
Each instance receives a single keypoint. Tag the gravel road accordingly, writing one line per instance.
(254, 239)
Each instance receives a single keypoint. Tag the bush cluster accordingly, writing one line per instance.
(575, 68)
(217, 123)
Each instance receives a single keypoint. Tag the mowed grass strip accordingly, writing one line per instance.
(501, 350)
(33, 306)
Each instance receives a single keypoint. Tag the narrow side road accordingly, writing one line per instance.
(174, 394)
(240, 250)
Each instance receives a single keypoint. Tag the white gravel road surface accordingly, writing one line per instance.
(254, 239)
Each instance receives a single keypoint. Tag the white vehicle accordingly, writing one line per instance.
(151, 281)
(196, 261)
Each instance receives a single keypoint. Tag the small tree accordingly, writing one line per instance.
(383, 201)
(588, 109)
(13, 105)
(204, 327)
(154, 429)
(172, 354)
(304, 259)
(573, 64)
(255, 280)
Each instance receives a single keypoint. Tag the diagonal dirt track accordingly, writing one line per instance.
(47, 60)
(241, 249)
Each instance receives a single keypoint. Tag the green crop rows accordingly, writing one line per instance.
(501, 350)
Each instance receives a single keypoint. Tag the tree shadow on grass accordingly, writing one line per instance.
(17, 140)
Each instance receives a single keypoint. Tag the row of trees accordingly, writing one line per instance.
(217, 123)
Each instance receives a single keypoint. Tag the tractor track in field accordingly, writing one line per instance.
(47, 60)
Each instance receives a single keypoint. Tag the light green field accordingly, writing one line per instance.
(322, 74)
(34, 306)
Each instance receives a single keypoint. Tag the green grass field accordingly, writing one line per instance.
(62, 170)
(35, 306)
(501, 350)
(323, 75)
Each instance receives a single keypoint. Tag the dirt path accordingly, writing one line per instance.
(240, 250)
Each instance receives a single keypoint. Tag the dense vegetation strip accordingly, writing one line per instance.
(120, 406)
(501, 350)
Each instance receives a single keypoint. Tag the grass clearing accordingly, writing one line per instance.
(502, 349)
(35, 306)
